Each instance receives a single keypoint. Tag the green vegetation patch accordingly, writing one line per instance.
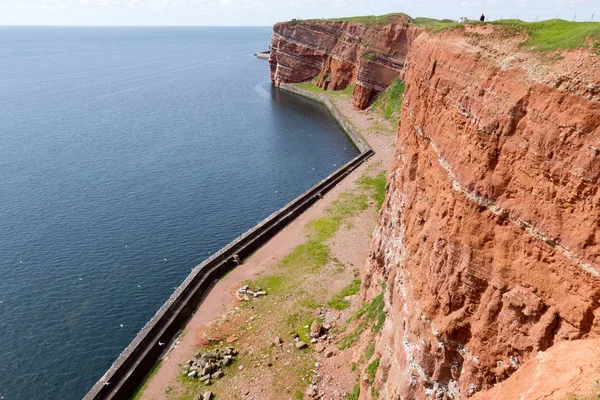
(376, 185)
(368, 57)
(348, 205)
(309, 256)
(551, 35)
(311, 87)
(544, 36)
(390, 101)
(355, 394)
(371, 315)
(369, 20)
(371, 370)
(370, 351)
(338, 301)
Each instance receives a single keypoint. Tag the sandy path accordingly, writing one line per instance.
(350, 248)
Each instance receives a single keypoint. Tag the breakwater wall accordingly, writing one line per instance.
(138, 359)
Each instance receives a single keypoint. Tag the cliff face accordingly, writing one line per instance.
(341, 53)
(489, 239)
(488, 242)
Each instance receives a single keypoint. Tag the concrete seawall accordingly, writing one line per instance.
(137, 360)
(356, 137)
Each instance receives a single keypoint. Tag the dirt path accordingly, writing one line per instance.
(223, 316)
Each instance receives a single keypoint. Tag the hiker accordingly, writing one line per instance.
(482, 18)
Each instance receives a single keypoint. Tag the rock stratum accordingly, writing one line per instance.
(488, 243)
(341, 53)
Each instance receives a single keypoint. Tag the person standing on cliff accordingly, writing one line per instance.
(482, 18)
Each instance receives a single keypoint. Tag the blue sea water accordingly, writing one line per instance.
(127, 156)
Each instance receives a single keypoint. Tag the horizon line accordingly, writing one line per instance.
(136, 26)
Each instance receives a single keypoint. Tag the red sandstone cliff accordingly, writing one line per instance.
(489, 238)
(340, 53)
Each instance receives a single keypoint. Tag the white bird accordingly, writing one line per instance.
(165, 259)
(160, 343)
(121, 325)
(106, 383)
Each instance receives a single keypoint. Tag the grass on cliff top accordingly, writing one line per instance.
(369, 20)
(550, 35)
(389, 102)
(543, 36)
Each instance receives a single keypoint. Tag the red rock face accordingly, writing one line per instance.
(340, 54)
(489, 238)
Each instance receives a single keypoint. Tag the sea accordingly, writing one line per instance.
(127, 157)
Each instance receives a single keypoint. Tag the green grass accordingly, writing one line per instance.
(370, 351)
(544, 36)
(140, 390)
(355, 395)
(368, 57)
(389, 102)
(551, 35)
(432, 22)
(369, 20)
(376, 186)
(371, 315)
(311, 87)
(371, 370)
(347, 206)
(311, 256)
(338, 301)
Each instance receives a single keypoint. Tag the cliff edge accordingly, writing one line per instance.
(488, 243)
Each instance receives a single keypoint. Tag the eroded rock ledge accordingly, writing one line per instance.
(341, 53)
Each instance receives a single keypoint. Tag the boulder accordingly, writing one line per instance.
(315, 329)
(218, 375)
(300, 344)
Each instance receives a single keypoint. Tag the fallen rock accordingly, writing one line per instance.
(315, 329)
(218, 375)
(311, 391)
(300, 344)
(207, 395)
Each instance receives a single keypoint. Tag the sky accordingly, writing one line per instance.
(267, 12)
